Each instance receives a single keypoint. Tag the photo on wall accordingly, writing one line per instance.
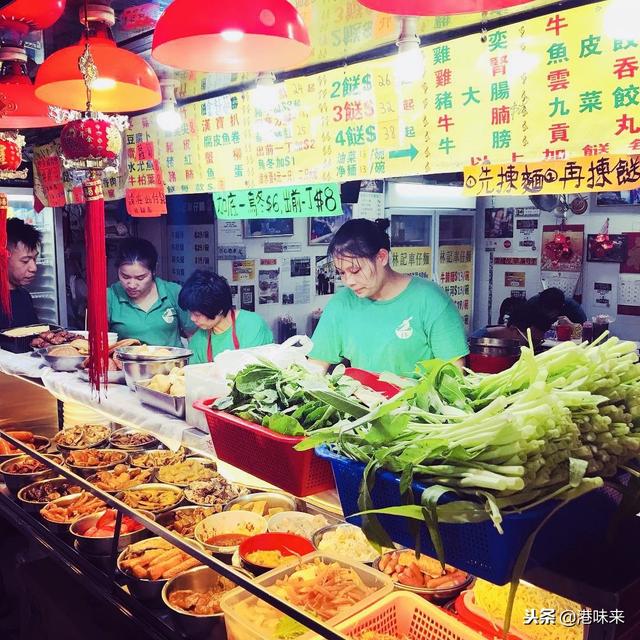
(618, 198)
(327, 280)
(498, 223)
(267, 228)
(268, 286)
(322, 229)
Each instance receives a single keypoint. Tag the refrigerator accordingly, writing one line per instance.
(49, 302)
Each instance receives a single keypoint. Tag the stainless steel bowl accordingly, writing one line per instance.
(316, 538)
(113, 377)
(113, 440)
(41, 443)
(34, 506)
(85, 472)
(94, 478)
(61, 363)
(60, 528)
(142, 588)
(155, 485)
(130, 354)
(15, 481)
(273, 498)
(167, 518)
(205, 462)
(139, 370)
(198, 579)
(97, 444)
(102, 546)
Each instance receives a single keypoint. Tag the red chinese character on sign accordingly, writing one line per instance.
(558, 79)
(408, 104)
(501, 115)
(445, 122)
(443, 77)
(556, 24)
(626, 67)
(555, 154)
(559, 132)
(499, 65)
(627, 123)
(635, 145)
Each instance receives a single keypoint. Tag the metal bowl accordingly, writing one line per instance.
(98, 444)
(433, 595)
(113, 377)
(94, 478)
(318, 535)
(41, 444)
(155, 485)
(198, 579)
(61, 363)
(167, 518)
(15, 481)
(131, 354)
(228, 522)
(34, 506)
(142, 588)
(139, 370)
(288, 544)
(102, 546)
(85, 471)
(61, 528)
(113, 440)
(206, 462)
(178, 456)
(273, 499)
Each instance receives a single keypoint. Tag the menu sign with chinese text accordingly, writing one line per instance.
(456, 276)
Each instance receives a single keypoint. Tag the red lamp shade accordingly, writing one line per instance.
(438, 7)
(19, 107)
(125, 81)
(10, 155)
(35, 14)
(90, 138)
(236, 36)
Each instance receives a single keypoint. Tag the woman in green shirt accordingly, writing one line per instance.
(142, 306)
(207, 297)
(383, 320)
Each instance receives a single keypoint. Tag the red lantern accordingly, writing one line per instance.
(33, 14)
(90, 140)
(438, 7)
(10, 155)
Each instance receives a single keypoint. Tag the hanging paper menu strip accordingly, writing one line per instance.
(279, 202)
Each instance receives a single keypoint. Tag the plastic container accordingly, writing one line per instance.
(372, 380)
(406, 615)
(201, 381)
(265, 454)
(241, 629)
(477, 548)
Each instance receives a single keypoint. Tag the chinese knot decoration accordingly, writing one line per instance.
(559, 249)
(602, 244)
(11, 156)
(90, 143)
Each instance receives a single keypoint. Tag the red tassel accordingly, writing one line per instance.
(5, 292)
(94, 238)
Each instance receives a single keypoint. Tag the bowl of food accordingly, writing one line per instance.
(132, 439)
(266, 503)
(82, 436)
(154, 497)
(184, 473)
(22, 470)
(119, 478)
(193, 598)
(423, 576)
(147, 565)
(94, 532)
(86, 462)
(345, 541)
(144, 362)
(63, 357)
(30, 440)
(61, 512)
(266, 551)
(215, 492)
(37, 494)
(297, 523)
(222, 533)
(183, 520)
(156, 458)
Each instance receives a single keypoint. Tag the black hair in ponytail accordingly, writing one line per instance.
(360, 238)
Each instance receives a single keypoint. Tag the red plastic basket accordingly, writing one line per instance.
(271, 456)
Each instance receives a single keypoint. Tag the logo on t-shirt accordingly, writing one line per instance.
(405, 330)
(169, 315)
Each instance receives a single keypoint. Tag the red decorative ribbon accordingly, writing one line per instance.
(5, 292)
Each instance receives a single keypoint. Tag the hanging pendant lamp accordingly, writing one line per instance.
(33, 14)
(125, 81)
(228, 37)
(19, 107)
(438, 7)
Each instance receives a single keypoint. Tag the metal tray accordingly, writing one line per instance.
(113, 377)
(128, 353)
(173, 405)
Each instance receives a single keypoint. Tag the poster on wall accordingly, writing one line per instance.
(247, 297)
(604, 295)
(229, 232)
(631, 263)
(498, 228)
(415, 261)
(268, 228)
(243, 270)
(527, 225)
(515, 279)
(562, 248)
(609, 247)
(268, 286)
(326, 277)
(618, 198)
(322, 230)
(234, 295)
(629, 296)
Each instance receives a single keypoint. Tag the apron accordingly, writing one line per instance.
(234, 337)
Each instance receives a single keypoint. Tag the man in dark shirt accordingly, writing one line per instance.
(556, 304)
(23, 244)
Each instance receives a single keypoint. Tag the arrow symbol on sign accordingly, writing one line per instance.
(411, 152)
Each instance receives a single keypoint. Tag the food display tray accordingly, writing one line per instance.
(174, 405)
(22, 345)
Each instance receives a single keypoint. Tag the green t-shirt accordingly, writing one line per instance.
(420, 323)
(251, 329)
(160, 325)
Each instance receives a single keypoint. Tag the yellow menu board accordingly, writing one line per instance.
(456, 276)
(546, 89)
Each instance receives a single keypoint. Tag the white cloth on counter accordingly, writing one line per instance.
(22, 364)
(119, 403)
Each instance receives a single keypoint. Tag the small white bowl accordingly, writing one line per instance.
(306, 526)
